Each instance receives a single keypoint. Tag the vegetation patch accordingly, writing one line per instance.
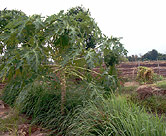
(68, 97)
(161, 84)
(145, 75)
(153, 103)
(9, 123)
(114, 116)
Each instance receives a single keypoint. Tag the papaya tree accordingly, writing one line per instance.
(71, 40)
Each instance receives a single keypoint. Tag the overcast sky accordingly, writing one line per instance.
(141, 23)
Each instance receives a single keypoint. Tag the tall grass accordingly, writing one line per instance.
(11, 91)
(87, 112)
(153, 103)
(42, 102)
(114, 117)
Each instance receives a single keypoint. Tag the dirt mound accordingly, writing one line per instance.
(146, 91)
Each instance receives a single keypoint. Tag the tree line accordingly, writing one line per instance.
(150, 55)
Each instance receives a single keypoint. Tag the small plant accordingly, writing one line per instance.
(161, 84)
(10, 123)
(145, 75)
(157, 77)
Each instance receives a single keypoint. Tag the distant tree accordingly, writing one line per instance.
(154, 54)
(133, 58)
(129, 58)
(150, 55)
(136, 57)
(161, 56)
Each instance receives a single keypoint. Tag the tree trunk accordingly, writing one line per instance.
(63, 92)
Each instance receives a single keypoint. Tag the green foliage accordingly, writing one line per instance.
(114, 55)
(11, 92)
(10, 124)
(157, 77)
(153, 103)
(161, 56)
(114, 116)
(65, 38)
(69, 41)
(111, 59)
(145, 74)
(161, 84)
(41, 102)
(156, 104)
(151, 55)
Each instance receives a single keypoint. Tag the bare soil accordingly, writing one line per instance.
(129, 69)
(133, 83)
(24, 129)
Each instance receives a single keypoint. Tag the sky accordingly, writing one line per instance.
(141, 23)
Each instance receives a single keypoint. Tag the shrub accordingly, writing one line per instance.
(145, 74)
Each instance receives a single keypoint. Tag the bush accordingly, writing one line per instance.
(145, 75)
(114, 116)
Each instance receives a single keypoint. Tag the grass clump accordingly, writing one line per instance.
(161, 84)
(128, 89)
(11, 91)
(152, 103)
(114, 116)
(157, 77)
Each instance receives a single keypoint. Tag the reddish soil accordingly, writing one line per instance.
(129, 69)
(146, 91)
(133, 83)
(23, 128)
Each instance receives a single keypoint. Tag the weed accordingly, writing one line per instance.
(11, 122)
(157, 77)
(161, 84)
